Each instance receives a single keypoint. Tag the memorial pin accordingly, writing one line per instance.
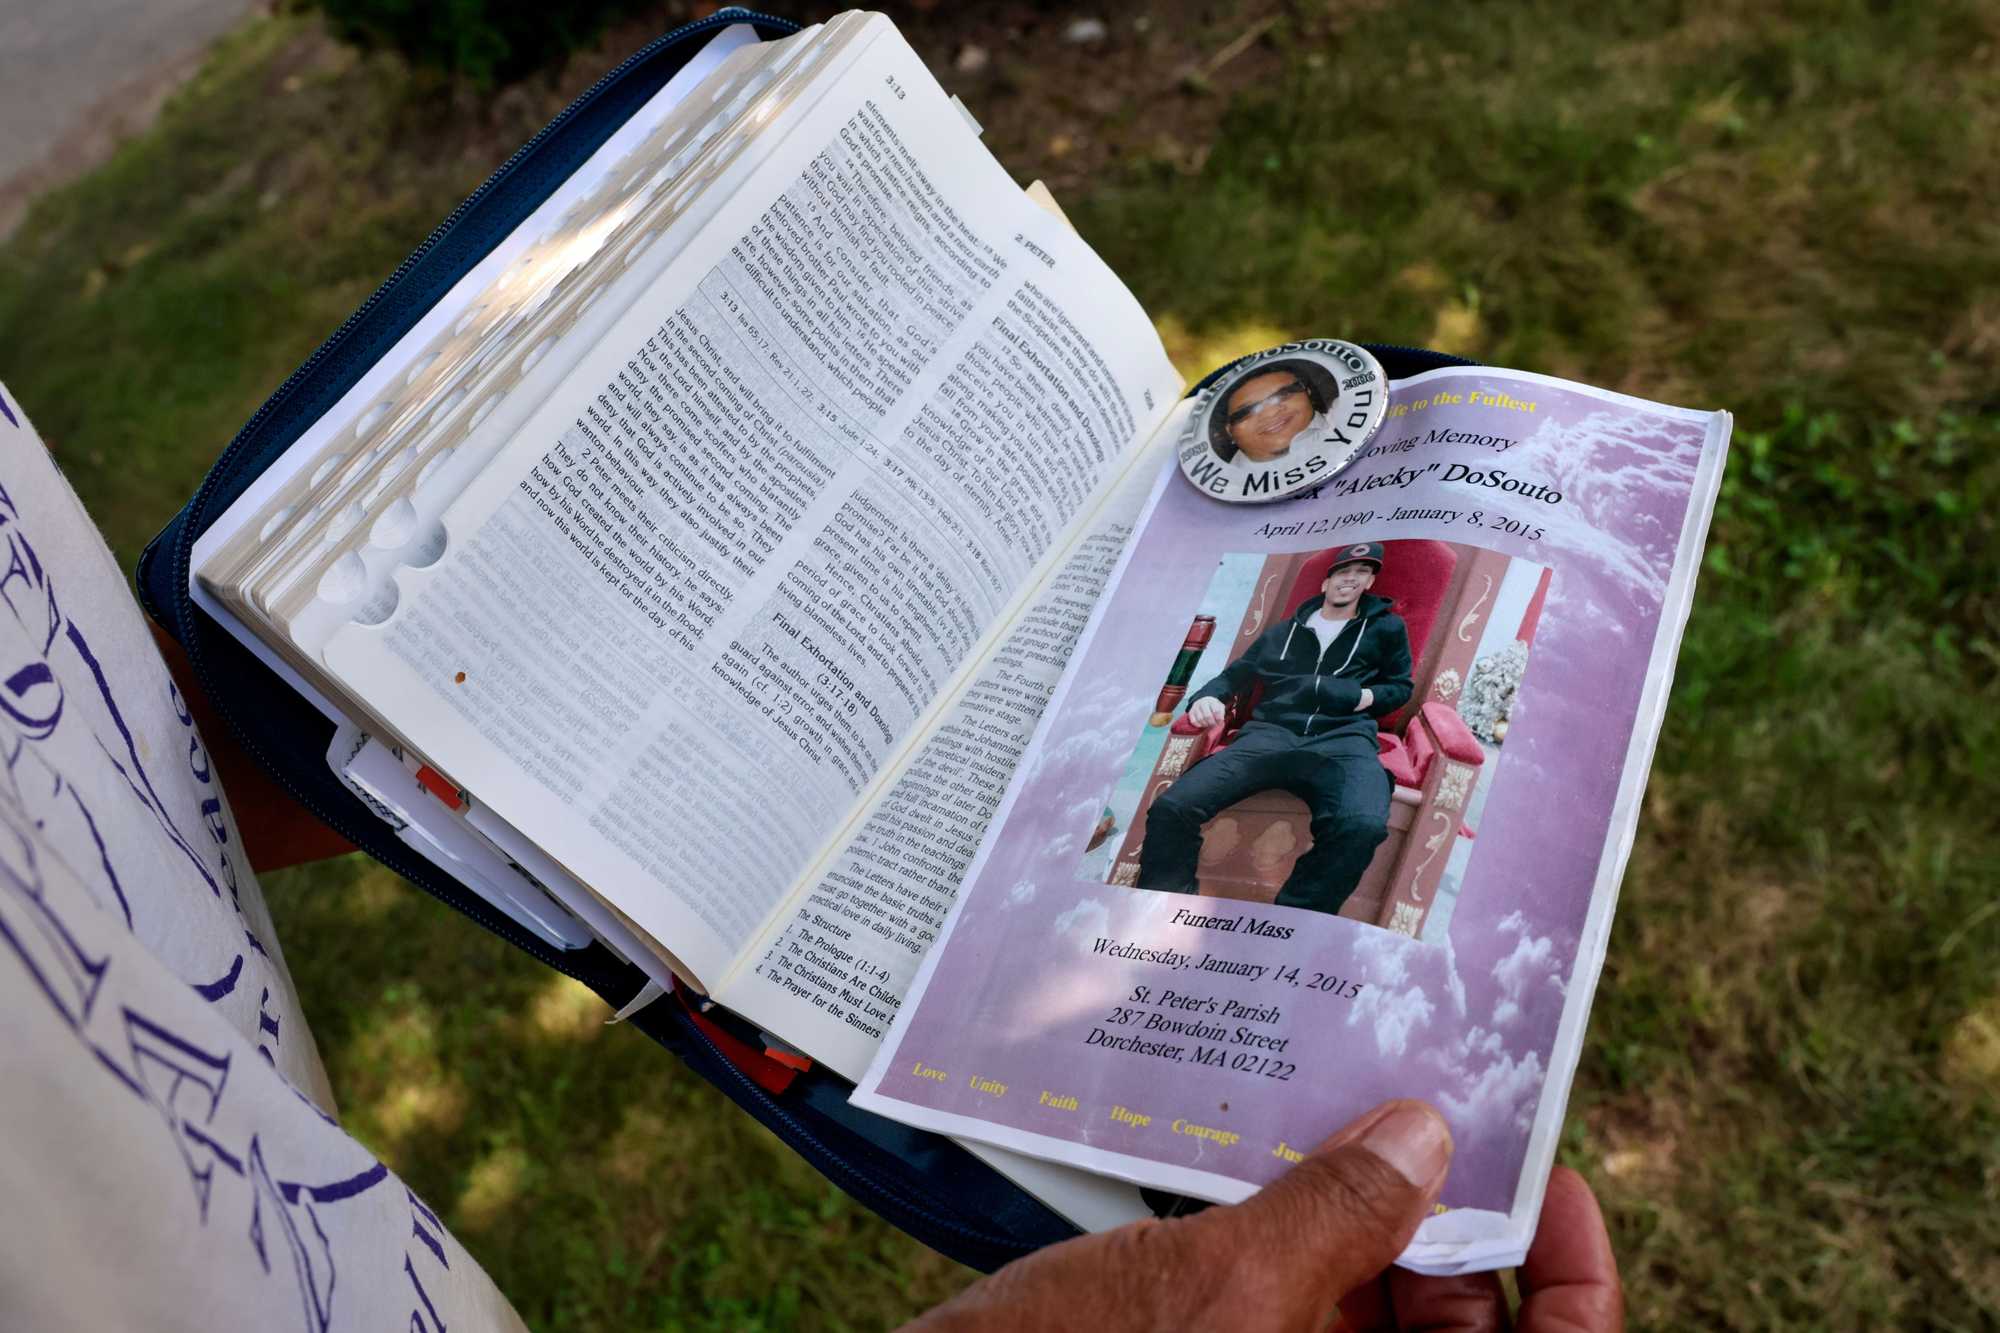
(1284, 421)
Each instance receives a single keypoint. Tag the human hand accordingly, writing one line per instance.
(1282, 1258)
(1367, 700)
(1279, 1260)
(1569, 1281)
(1206, 712)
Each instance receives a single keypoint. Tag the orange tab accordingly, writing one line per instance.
(438, 785)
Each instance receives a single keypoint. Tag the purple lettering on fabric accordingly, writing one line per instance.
(310, 1251)
(142, 786)
(59, 965)
(223, 985)
(184, 1083)
(334, 1191)
(436, 1325)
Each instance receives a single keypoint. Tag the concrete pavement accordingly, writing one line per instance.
(78, 76)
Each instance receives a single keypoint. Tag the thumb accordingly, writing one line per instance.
(1281, 1259)
(1340, 1217)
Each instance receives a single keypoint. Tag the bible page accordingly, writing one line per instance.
(708, 590)
(830, 972)
(466, 309)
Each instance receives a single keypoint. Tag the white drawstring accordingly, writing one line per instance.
(1360, 628)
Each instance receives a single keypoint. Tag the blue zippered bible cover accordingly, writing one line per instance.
(921, 1182)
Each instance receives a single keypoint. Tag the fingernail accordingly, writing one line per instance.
(1414, 1140)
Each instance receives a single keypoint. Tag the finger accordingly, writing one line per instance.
(1569, 1281)
(1367, 1309)
(1338, 1218)
(1468, 1303)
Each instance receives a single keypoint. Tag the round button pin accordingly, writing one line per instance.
(1284, 421)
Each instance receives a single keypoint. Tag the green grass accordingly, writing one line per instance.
(1791, 1099)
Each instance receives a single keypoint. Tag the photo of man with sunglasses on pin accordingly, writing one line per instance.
(1276, 404)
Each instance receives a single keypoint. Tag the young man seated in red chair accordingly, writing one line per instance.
(1338, 663)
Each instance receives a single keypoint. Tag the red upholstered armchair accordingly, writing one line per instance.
(1443, 593)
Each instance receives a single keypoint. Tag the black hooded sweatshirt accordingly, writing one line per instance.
(1311, 693)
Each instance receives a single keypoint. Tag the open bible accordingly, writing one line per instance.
(694, 576)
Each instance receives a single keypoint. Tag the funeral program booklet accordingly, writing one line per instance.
(1330, 806)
